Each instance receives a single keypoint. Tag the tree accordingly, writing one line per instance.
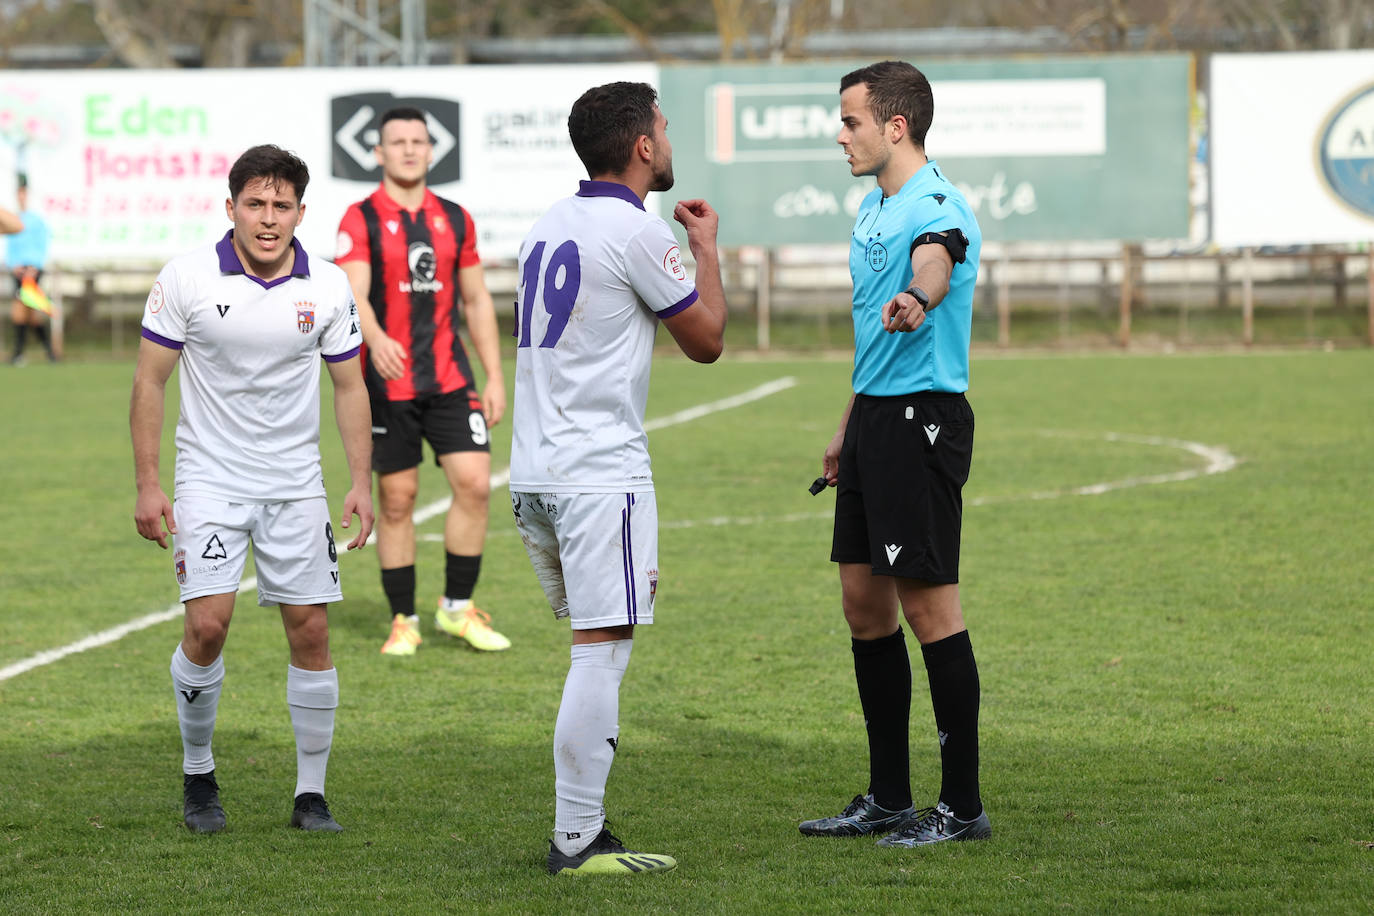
(219, 33)
(1294, 25)
(128, 36)
(155, 33)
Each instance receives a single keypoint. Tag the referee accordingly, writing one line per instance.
(900, 460)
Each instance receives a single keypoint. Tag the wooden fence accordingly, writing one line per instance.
(771, 284)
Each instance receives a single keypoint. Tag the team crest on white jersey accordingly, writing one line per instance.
(672, 262)
(305, 316)
(156, 298)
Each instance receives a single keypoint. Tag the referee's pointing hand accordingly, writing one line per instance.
(903, 313)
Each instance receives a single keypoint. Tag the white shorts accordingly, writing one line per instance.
(596, 554)
(292, 542)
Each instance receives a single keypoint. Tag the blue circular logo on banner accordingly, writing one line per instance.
(1346, 151)
(877, 256)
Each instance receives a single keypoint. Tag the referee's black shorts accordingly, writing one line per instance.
(899, 501)
(20, 271)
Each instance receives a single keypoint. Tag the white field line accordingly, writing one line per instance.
(1217, 460)
(422, 514)
(498, 480)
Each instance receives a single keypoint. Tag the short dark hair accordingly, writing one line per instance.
(404, 113)
(607, 120)
(896, 88)
(272, 163)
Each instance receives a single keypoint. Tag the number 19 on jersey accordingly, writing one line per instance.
(554, 285)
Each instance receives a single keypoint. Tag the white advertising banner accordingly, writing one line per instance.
(1292, 148)
(1025, 117)
(132, 165)
(991, 117)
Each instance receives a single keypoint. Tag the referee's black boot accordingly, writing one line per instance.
(862, 817)
(939, 825)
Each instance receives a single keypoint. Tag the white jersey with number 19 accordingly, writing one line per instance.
(597, 273)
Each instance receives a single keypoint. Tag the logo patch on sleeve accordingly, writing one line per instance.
(672, 263)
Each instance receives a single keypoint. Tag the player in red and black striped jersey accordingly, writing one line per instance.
(411, 257)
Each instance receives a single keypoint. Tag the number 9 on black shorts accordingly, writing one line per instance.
(450, 422)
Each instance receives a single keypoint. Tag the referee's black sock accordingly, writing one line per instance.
(883, 671)
(41, 332)
(460, 575)
(954, 694)
(399, 585)
(21, 331)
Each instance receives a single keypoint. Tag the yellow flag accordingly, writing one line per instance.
(33, 297)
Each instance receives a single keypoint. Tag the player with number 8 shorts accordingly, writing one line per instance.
(247, 321)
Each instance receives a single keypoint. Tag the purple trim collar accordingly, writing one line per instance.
(229, 262)
(609, 189)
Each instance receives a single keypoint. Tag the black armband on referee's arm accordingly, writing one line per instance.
(954, 240)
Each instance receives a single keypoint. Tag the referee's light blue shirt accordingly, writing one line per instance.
(28, 247)
(934, 357)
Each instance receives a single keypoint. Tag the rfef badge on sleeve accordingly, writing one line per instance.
(672, 263)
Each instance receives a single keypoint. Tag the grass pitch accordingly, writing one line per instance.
(1176, 700)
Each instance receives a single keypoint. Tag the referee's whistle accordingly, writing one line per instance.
(818, 485)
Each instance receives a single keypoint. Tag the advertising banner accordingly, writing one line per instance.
(1050, 149)
(1292, 148)
(131, 166)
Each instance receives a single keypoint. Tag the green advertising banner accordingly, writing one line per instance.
(1052, 149)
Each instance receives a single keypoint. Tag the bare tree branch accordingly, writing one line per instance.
(729, 25)
(140, 32)
(626, 24)
(126, 39)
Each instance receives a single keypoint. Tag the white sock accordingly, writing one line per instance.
(197, 693)
(312, 697)
(584, 741)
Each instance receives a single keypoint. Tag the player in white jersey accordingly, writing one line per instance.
(249, 319)
(598, 273)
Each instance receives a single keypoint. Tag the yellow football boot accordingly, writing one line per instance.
(405, 636)
(464, 620)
